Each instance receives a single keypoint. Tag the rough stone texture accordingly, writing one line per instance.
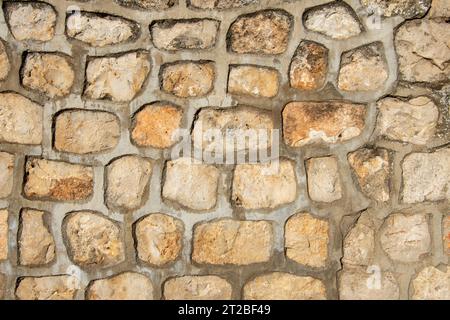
(406, 237)
(118, 78)
(6, 174)
(359, 243)
(446, 234)
(5, 66)
(47, 288)
(406, 8)
(55, 180)
(268, 185)
(307, 240)
(219, 4)
(147, 4)
(253, 80)
(324, 182)
(83, 131)
(284, 286)
(4, 234)
(125, 286)
(127, 179)
(232, 242)
(197, 288)
(322, 122)
(440, 8)
(159, 239)
(35, 241)
(93, 240)
(412, 121)
(431, 284)
(263, 32)
(2, 285)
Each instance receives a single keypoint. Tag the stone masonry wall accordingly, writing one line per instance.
(93, 205)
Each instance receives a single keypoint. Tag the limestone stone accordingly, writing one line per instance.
(322, 122)
(431, 284)
(6, 174)
(55, 180)
(253, 81)
(263, 32)
(147, 4)
(197, 288)
(47, 288)
(127, 179)
(125, 286)
(406, 237)
(4, 234)
(284, 286)
(83, 131)
(265, 185)
(359, 243)
(406, 8)
(5, 66)
(220, 4)
(2, 285)
(118, 78)
(306, 240)
(234, 242)
(159, 239)
(440, 8)
(324, 182)
(35, 241)
(446, 236)
(93, 240)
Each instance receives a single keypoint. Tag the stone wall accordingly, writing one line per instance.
(93, 205)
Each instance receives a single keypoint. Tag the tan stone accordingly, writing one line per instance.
(232, 242)
(197, 288)
(4, 230)
(446, 236)
(6, 174)
(284, 286)
(55, 180)
(405, 8)
(4, 62)
(324, 182)
(440, 8)
(431, 284)
(359, 243)
(147, 4)
(47, 288)
(220, 4)
(2, 285)
(253, 80)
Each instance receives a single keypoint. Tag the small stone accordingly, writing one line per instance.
(56, 180)
(263, 32)
(2, 286)
(186, 79)
(182, 184)
(372, 168)
(197, 288)
(232, 242)
(83, 131)
(284, 286)
(253, 81)
(118, 78)
(127, 180)
(184, 34)
(93, 240)
(359, 243)
(440, 8)
(324, 182)
(406, 238)
(48, 73)
(412, 121)
(363, 69)
(4, 62)
(219, 4)
(264, 186)
(148, 4)
(322, 122)
(159, 239)
(307, 240)
(431, 284)
(406, 8)
(157, 125)
(35, 241)
(446, 231)
(125, 286)
(6, 173)
(309, 66)
(47, 288)
(30, 20)
(4, 234)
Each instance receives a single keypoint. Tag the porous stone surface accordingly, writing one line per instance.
(4, 234)
(6, 174)
(253, 80)
(147, 4)
(5, 65)
(60, 287)
(219, 4)
(406, 8)
(324, 182)
(359, 243)
(197, 288)
(431, 284)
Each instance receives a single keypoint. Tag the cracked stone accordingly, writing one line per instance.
(406, 8)
(431, 284)
(197, 288)
(47, 288)
(253, 81)
(4, 234)
(324, 182)
(6, 173)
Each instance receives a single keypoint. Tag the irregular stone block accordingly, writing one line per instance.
(197, 288)
(359, 243)
(219, 4)
(253, 81)
(431, 284)
(47, 288)
(406, 8)
(6, 174)
(5, 65)
(324, 182)
(148, 4)
(4, 232)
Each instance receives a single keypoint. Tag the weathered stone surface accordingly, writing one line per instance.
(439, 8)
(336, 20)
(182, 184)
(100, 30)
(431, 284)
(315, 122)
(266, 185)
(6, 173)
(262, 32)
(306, 240)
(47, 288)
(30, 20)
(219, 4)
(4, 234)
(159, 239)
(324, 182)
(363, 69)
(2, 285)
(232, 242)
(48, 73)
(197, 288)
(412, 121)
(83, 131)
(405, 238)
(156, 125)
(4, 62)
(359, 243)
(127, 178)
(148, 4)
(446, 233)
(187, 79)
(284, 286)
(125, 286)
(423, 51)
(118, 78)
(309, 66)
(372, 168)
(184, 34)
(426, 176)
(93, 240)
(406, 8)
(55, 180)
(253, 80)
(35, 241)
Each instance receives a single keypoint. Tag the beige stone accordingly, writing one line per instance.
(440, 8)
(147, 4)
(47, 288)
(2, 285)
(6, 173)
(359, 243)
(5, 66)
(253, 80)
(405, 8)
(446, 234)
(431, 284)
(220, 4)
(324, 182)
(197, 288)
(4, 230)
